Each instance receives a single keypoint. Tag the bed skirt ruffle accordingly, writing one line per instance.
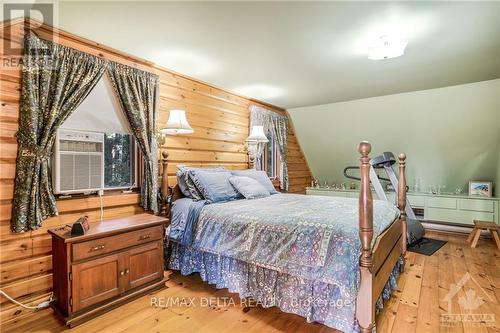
(316, 301)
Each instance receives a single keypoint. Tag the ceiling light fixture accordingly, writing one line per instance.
(386, 48)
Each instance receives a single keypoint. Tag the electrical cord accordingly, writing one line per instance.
(37, 307)
(101, 193)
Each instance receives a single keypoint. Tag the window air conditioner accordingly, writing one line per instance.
(78, 162)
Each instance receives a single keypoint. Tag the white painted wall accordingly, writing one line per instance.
(451, 135)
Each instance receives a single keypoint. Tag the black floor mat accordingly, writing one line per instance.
(426, 246)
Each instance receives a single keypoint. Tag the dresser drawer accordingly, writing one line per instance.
(446, 203)
(476, 205)
(113, 243)
(458, 217)
(416, 200)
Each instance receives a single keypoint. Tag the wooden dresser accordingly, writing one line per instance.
(114, 262)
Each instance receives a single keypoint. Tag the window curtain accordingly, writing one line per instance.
(138, 94)
(55, 80)
(278, 125)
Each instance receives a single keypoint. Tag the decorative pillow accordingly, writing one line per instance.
(214, 186)
(260, 176)
(186, 185)
(249, 187)
(181, 181)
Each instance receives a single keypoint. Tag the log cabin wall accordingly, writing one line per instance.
(219, 118)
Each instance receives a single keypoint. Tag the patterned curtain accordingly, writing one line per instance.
(138, 95)
(55, 80)
(278, 126)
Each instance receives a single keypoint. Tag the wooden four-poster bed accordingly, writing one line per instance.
(380, 254)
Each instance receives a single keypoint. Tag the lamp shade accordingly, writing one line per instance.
(257, 135)
(177, 123)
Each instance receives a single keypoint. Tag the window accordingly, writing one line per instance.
(119, 160)
(101, 113)
(271, 157)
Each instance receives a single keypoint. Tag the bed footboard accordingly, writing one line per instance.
(377, 263)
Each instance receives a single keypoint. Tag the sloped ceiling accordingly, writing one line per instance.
(301, 53)
(450, 135)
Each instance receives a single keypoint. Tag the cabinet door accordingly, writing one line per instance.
(145, 264)
(97, 280)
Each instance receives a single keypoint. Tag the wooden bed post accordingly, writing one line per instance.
(365, 304)
(164, 183)
(402, 202)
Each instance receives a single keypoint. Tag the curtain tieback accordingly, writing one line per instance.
(35, 151)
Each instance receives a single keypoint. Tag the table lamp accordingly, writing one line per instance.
(176, 124)
(255, 144)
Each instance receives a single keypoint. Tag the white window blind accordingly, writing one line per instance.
(99, 112)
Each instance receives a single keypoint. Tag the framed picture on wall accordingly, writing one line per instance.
(480, 188)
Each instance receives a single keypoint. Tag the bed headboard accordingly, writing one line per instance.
(168, 193)
(171, 193)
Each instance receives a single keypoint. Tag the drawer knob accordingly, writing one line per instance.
(143, 237)
(97, 248)
(127, 271)
(122, 273)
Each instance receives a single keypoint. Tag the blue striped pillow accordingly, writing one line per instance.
(214, 186)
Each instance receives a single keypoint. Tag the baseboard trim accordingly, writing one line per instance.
(451, 229)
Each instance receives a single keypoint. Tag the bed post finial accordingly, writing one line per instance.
(402, 200)
(164, 182)
(365, 206)
(365, 305)
(364, 148)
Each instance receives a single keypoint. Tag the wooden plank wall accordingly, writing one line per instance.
(221, 123)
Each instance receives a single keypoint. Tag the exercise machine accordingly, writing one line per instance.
(415, 230)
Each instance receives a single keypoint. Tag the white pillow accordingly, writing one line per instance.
(249, 187)
(258, 175)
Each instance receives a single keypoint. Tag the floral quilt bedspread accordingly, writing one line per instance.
(310, 237)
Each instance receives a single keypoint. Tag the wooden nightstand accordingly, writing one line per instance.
(114, 262)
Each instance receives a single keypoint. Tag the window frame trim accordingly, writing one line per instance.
(135, 185)
(276, 159)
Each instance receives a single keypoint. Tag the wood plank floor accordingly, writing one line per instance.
(416, 306)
